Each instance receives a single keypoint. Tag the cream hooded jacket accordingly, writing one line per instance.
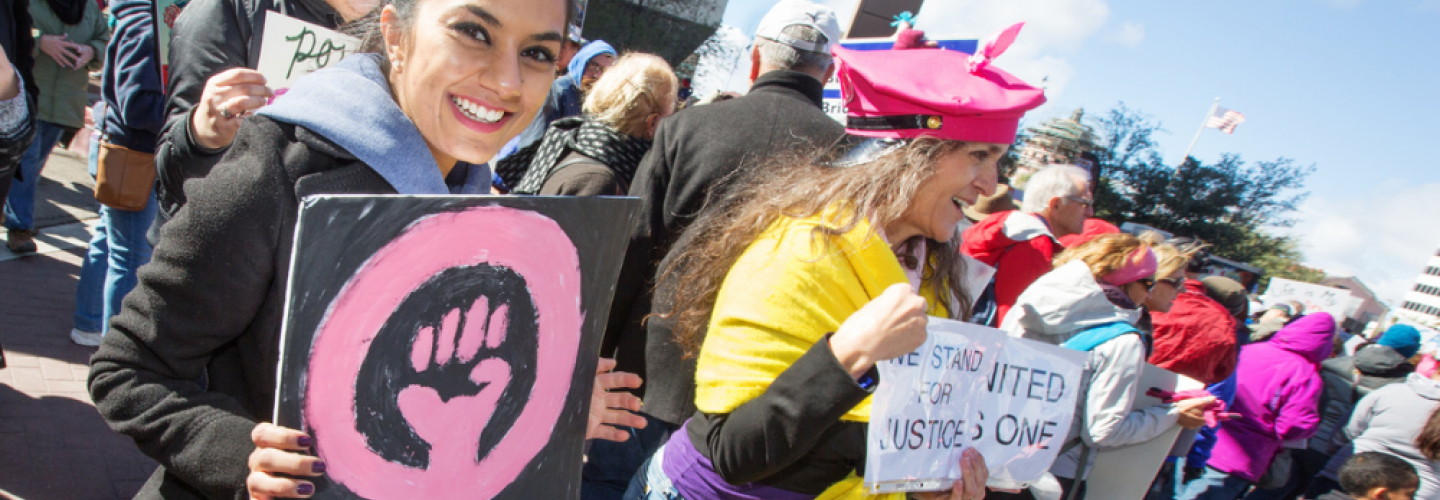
(1060, 305)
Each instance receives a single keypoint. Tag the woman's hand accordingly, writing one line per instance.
(61, 50)
(971, 486)
(889, 326)
(277, 453)
(613, 408)
(1192, 411)
(227, 98)
(85, 54)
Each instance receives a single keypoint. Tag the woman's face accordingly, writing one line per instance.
(1164, 291)
(472, 73)
(960, 179)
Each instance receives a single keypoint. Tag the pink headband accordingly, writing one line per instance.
(1139, 265)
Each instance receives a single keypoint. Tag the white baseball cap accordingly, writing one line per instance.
(789, 13)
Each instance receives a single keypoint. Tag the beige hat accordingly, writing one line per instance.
(987, 205)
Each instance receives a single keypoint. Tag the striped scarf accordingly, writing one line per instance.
(528, 169)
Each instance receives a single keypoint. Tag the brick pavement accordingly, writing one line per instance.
(53, 444)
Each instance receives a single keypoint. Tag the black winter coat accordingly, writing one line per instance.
(693, 156)
(209, 303)
(210, 37)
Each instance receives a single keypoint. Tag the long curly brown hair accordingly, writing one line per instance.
(802, 186)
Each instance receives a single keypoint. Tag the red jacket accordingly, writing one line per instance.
(1019, 246)
(1196, 338)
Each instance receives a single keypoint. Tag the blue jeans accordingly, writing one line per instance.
(612, 466)
(117, 251)
(20, 204)
(1215, 485)
(652, 483)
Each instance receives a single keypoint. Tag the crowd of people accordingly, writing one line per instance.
(779, 255)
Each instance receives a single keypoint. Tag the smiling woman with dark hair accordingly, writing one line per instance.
(443, 82)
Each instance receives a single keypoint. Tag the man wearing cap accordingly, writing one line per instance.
(694, 154)
(1021, 244)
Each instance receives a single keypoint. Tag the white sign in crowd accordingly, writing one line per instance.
(292, 48)
(1336, 301)
(971, 386)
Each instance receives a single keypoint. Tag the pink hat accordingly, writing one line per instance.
(919, 90)
(1140, 264)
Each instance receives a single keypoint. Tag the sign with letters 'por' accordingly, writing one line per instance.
(292, 48)
(970, 386)
(444, 347)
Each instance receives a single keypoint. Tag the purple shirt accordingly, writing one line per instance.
(694, 476)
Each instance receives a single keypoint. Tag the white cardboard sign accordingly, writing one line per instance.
(970, 386)
(1339, 302)
(292, 48)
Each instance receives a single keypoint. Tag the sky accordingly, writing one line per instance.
(1349, 86)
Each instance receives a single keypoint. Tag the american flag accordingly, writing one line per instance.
(1225, 120)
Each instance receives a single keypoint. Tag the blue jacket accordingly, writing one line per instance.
(132, 88)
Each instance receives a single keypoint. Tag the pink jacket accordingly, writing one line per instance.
(1277, 396)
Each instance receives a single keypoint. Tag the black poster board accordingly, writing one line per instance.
(445, 346)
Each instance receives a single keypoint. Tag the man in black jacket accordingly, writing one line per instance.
(693, 158)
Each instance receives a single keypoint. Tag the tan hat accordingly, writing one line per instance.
(987, 205)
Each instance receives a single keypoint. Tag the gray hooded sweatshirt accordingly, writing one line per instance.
(1388, 421)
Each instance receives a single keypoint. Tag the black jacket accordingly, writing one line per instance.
(211, 36)
(694, 152)
(210, 303)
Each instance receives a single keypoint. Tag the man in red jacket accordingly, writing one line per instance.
(1021, 244)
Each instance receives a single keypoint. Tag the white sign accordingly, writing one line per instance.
(1126, 471)
(970, 386)
(293, 48)
(1336, 301)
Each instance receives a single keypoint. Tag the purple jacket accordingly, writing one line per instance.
(1279, 390)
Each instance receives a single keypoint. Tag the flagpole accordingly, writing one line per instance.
(1203, 122)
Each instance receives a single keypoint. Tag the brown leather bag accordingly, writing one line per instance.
(124, 177)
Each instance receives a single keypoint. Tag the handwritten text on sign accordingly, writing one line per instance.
(970, 386)
(293, 48)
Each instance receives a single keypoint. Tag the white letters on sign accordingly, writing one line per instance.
(292, 48)
(970, 386)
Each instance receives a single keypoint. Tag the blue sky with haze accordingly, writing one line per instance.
(1347, 85)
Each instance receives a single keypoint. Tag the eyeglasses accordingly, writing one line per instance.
(1084, 203)
(1150, 283)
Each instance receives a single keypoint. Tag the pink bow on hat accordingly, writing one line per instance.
(993, 47)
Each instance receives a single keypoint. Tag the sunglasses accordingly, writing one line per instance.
(1084, 203)
(1173, 282)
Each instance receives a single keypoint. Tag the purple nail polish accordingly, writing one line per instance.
(305, 441)
(305, 488)
(317, 467)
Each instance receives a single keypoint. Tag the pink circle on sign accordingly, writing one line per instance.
(530, 244)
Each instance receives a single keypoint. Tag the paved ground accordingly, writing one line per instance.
(53, 445)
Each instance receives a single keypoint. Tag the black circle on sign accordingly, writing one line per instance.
(387, 369)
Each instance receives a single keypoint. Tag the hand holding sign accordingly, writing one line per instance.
(278, 453)
(227, 98)
(974, 474)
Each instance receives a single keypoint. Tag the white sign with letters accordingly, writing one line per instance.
(1339, 302)
(292, 48)
(970, 386)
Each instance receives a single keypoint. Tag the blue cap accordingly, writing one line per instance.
(1404, 339)
(586, 53)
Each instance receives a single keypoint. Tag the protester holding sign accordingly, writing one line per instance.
(1090, 302)
(213, 84)
(394, 120)
(794, 288)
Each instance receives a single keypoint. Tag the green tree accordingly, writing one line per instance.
(1228, 204)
